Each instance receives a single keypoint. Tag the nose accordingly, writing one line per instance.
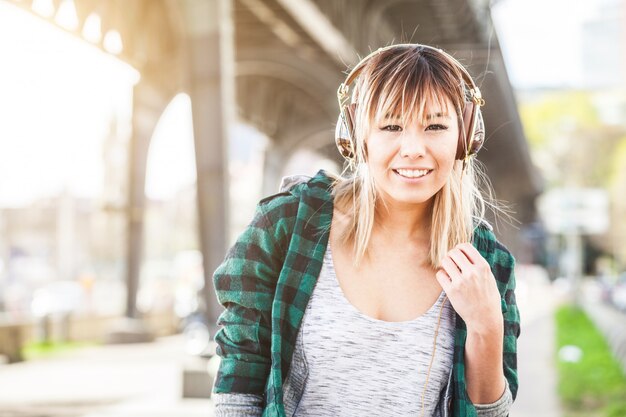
(412, 145)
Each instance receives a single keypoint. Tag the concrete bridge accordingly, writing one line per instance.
(276, 64)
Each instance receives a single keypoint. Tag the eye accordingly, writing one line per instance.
(391, 128)
(437, 127)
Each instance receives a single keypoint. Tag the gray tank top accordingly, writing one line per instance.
(346, 363)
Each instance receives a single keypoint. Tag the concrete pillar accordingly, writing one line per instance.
(148, 105)
(147, 109)
(211, 78)
(66, 236)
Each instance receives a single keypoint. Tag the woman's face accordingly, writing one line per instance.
(411, 163)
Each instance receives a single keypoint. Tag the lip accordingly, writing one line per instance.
(412, 180)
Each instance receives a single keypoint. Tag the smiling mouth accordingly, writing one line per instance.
(412, 173)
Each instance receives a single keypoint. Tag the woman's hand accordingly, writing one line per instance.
(466, 278)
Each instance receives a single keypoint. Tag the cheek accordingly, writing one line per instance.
(376, 150)
(446, 152)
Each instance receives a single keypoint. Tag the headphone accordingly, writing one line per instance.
(471, 136)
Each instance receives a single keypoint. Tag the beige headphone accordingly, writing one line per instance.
(471, 137)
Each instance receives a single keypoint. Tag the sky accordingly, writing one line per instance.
(58, 96)
(55, 104)
(541, 40)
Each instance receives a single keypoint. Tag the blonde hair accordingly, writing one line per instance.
(403, 81)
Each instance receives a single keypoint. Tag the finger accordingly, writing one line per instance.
(471, 252)
(451, 268)
(460, 259)
(443, 279)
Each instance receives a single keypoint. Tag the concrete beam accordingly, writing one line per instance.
(278, 27)
(321, 95)
(320, 28)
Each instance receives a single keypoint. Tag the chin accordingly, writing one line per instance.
(409, 198)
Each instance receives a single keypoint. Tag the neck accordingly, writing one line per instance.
(404, 222)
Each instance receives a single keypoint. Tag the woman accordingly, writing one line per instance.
(382, 292)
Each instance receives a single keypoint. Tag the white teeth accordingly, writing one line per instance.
(412, 173)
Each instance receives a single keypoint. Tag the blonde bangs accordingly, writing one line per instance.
(406, 87)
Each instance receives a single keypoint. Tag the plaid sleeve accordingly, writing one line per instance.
(245, 283)
(504, 272)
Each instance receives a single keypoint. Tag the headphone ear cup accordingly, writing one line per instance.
(472, 136)
(478, 136)
(344, 131)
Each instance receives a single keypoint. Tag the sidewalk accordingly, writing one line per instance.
(139, 380)
(145, 380)
(537, 396)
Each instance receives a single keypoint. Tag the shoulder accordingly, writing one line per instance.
(295, 188)
(494, 251)
(297, 193)
(499, 257)
(484, 238)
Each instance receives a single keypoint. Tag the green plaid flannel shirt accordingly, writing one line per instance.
(268, 276)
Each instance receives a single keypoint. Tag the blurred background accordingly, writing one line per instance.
(137, 136)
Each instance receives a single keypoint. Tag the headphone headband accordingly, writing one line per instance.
(342, 91)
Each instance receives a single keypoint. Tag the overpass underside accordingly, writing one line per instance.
(276, 64)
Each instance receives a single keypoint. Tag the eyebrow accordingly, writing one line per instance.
(428, 117)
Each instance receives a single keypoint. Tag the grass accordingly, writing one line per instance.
(595, 386)
(37, 350)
